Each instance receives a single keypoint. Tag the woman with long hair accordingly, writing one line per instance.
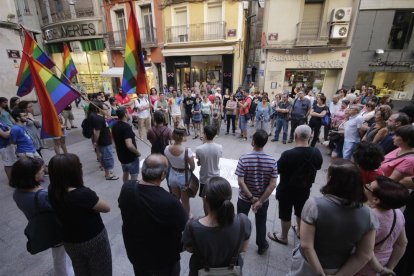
(175, 154)
(220, 236)
(318, 111)
(78, 208)
(217, 109)
(385, 197)
(337, 233)
(14, 102)
(197, 117)
(30, 197)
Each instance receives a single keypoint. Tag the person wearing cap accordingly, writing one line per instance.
(351, 131)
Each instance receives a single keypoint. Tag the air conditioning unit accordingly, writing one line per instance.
(339, 31)
(341, 15)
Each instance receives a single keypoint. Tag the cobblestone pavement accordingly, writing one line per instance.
(16, 260)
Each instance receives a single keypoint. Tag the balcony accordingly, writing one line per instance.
(66, 15)
(117, 39)
(196, 32)
(312, 34)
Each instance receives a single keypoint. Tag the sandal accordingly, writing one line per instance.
(112, 177)
(296, 231)
(274, 238)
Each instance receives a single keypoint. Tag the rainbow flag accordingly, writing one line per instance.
(54, 95)
(134, 79)
(24, 79)
(69, 69)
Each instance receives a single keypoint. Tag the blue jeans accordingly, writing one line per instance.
(348, 149)
(131, 168)
(281, 123)
(260, 217)
(107, 159)
(242, 122)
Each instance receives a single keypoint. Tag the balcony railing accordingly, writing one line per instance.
(66, 15)
(312, 34)
(117, 39)
(196, 32)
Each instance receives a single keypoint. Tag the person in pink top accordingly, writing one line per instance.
(385, 197)
(400, 162)
(153, 97)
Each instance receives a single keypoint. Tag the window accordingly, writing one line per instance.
(120, 35)
(148, 28)
(22, 7)
(401, 29)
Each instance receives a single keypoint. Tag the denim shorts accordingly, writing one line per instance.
(242, 122)
(107, 159)
(131, 168)
(177, 179)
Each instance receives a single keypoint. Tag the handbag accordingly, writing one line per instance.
(232, 269)
(391, 229)
(326, 120)
(191, 184)
(43, 230)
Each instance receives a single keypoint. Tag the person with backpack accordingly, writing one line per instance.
(297, 168)
(160, 135)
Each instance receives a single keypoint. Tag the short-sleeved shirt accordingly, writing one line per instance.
(152, 223)
(99, 123)
(209, 155)
(22, 139)
(318, 109)
(25, 201)
(284, 105)
(351, 128)
(188, 104)
(142, 103)
(206, 107)
(156, 133)
(175, 104)
(120, 132)
(215, 243)
(80, 222)
(300, 108)
(5, 117)
(404, 165)
(257, 168)
(4, 142)
(123, 100)
(245, 110)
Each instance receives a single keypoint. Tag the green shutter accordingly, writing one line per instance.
(87, 46)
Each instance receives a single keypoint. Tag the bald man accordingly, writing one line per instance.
(153, 221)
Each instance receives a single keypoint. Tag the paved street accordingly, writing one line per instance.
(16, 260)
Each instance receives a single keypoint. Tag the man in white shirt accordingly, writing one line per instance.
(174, 104)
(208, 156)
(142, 112)
(335, 105)
(351, 131)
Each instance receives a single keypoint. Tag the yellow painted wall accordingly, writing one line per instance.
(231, 15)
(196, 13)
(166, 13)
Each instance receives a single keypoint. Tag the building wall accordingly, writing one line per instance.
(371, 33)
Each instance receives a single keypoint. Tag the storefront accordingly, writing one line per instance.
(320, 71)
(85, 40)
(214, 66)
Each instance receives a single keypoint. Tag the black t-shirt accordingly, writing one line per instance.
(99, 123)
(188, 104)
(153, 221)
(80, 222)
(318, 109)
(120, 132)
(299, 161)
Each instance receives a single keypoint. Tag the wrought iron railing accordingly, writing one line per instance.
(196, 32)
(116, 39)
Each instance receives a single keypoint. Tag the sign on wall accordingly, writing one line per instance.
(75, 30)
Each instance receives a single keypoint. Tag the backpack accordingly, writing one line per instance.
(160, 144)
(87, 130)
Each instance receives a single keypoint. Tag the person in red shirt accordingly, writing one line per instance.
(244, 114)
(211, 97)
(368, 157)
(122, 99)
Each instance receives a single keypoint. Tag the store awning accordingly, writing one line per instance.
(205, 51)
(117, 72)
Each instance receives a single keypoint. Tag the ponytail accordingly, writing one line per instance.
(225, 213)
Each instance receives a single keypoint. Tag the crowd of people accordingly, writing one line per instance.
(367, 185)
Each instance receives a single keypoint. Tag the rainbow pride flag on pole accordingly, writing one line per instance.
(68, 69)
(54, 95)
(24, 79)
(134, 79)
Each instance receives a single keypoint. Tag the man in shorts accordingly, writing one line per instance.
(174, 104)
(244, 114)
(126, 147)
(68, 116)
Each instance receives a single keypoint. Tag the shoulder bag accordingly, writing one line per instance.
(191, 183)
(232, 269)
(392, 229)
(43, 230)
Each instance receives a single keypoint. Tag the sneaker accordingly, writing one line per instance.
(263, 249)
(274, 140)
(226, 133)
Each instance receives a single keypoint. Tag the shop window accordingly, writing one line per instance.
(401, 30)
